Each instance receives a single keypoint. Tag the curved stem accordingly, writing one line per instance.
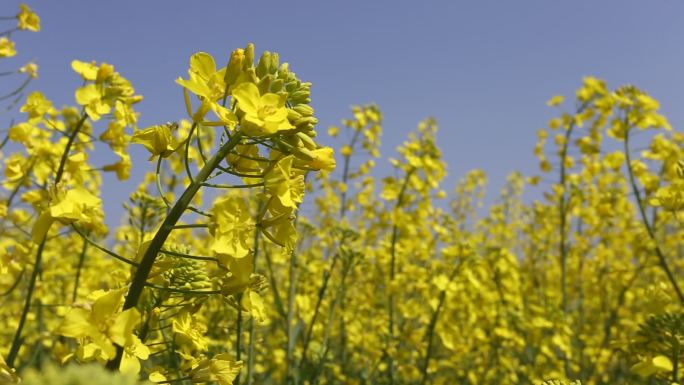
(104, 249)
(143, 271)
(649, 228)
(65, 154)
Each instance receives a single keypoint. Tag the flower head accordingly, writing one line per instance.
(263, 114)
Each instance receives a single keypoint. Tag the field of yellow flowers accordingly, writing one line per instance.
(219, 274)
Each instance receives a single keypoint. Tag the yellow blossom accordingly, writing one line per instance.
(28, 19)
(263, 114)
(7, 47)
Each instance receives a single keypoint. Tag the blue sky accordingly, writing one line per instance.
(484, 69)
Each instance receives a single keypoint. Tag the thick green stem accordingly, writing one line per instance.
(143, 271)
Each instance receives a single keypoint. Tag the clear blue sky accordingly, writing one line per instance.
(483, 69)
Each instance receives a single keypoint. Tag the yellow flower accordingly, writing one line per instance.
(37, 105)
(31, 69)
(232, 227)
(77, 204)
(91, 96)
(263, 114)
(252, 302)
(188, 333)
(7, 47)
(102, 324)
(220, 369)
(282, 184)
(158, 140)
(14, 169)
(122, 168)
(205, 81)
(28, 20)
(670, 197)
(7, 375)
(88, 71)
(556, 100)
(324, 159)
(657, 364)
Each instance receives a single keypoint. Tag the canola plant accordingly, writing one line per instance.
(249, 255)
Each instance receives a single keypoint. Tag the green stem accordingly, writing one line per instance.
(162, 234)
(252, 329)
(393, 252)
(433, 326)
(649, 227)
(65, 154)
(81, 259)
(16, 343)
(292, 377)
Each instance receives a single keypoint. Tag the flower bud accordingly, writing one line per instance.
(263, 68)
(304, 109)
(249, 56)
(234, 68)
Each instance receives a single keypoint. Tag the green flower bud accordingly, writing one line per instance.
(293, 115)
(300, 96)
(263, 67)
(235, 64)
(275, 61)
(265, 84)
(284, 71)
(307, 141)
(277, 85)
(291, 86)
(304, 110)
(249, 56)
(304, 121)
